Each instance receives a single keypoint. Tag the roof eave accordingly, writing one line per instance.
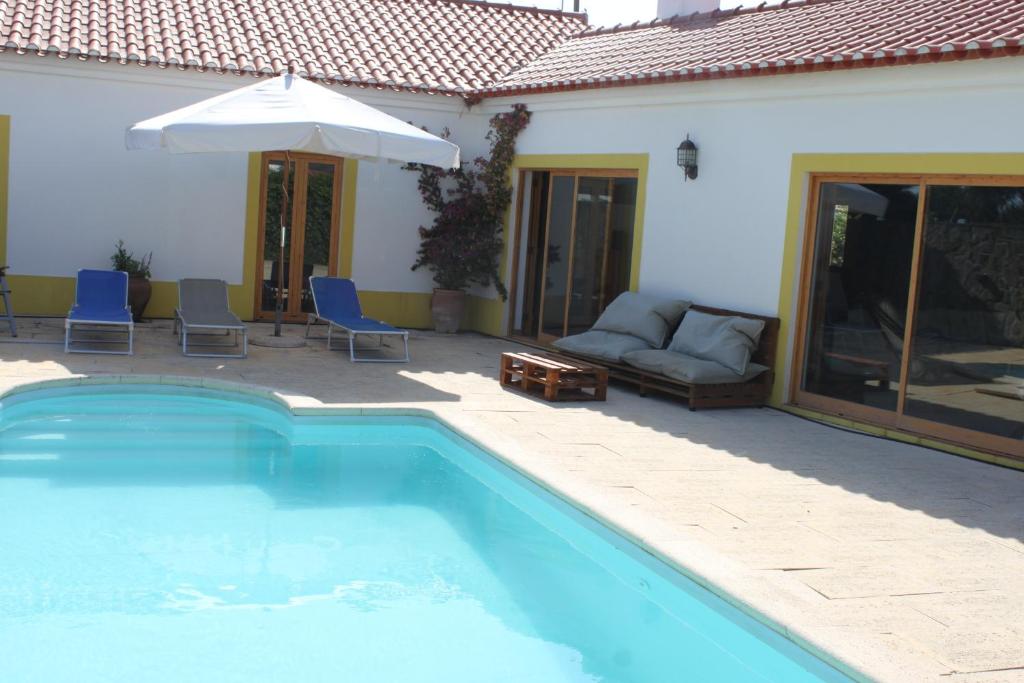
(729, 71)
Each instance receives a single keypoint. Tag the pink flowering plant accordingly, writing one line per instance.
(464, 245)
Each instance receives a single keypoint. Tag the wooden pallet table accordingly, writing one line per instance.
(555, 378)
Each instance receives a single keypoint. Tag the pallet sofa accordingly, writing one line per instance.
(712, 357)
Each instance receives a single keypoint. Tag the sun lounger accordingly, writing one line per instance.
(203, 310)
(337, 304)
(101, 304)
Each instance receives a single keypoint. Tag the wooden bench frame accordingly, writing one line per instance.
(754, 393)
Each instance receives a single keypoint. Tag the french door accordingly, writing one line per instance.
(912, 311)
(311, 242)
(579, 249)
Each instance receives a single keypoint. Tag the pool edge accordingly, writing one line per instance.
(300, 405)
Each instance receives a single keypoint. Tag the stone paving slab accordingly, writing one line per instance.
(903, 562)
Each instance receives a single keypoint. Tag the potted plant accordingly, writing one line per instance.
(140, 289)
(464, 245)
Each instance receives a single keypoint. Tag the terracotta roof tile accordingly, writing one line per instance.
(452, 46)
(800, 35)
(481, 49)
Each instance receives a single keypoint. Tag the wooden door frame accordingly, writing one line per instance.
(898, 420)
(542, 336)
(301, 160)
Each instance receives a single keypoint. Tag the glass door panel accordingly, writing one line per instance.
(590, 238)
(579, 250)
(541, 185)
(558, 255)
(317, 243)
(619, 262)
(967, 357)
(859, 292)
(274, 171)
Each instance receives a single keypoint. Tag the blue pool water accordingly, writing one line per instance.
(150, 534)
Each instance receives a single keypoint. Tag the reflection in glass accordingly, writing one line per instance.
(559, 240)
(593, 204)
(535, 251)
(967, 355)
(272, 235)
(620, 242)
(316, 246)
(859, 292)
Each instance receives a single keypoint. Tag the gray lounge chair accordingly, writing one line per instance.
(203, 310)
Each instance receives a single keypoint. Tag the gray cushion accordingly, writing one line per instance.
(640, 315)
(608, 346)
(727, 340)
(689, 369)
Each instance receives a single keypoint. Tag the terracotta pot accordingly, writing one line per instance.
(447, 306)
(139, 291)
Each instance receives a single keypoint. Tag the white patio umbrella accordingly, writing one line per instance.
(290, 114)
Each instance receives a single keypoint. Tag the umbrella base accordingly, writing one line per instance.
(282, 342)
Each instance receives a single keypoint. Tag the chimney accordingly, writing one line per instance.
(670, 8)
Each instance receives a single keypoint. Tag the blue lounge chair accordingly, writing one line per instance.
(101, 303)
(337, 304)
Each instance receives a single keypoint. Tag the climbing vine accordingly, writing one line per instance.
(463, 247)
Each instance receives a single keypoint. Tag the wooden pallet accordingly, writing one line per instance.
(555, 378)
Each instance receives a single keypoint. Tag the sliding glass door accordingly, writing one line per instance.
(913, 308)
(582, 255)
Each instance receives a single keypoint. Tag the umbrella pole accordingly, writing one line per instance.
(285, 202)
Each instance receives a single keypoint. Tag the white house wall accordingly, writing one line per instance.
(390, 211)
(75, 190)
(719, 240)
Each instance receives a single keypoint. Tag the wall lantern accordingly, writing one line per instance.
(686, 157)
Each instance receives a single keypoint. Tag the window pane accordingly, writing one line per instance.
(593, 203)
(316, 246)
(558, 245)
(967, 361)
(620, 244)
(272, 235)
(859, 290)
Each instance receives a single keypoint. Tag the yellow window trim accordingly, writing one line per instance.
(5, 157)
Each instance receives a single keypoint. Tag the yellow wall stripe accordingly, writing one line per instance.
(347, 241)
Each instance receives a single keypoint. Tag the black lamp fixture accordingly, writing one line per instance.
(686, 157)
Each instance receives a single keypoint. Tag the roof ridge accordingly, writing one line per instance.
(678, 19)
(518, 8)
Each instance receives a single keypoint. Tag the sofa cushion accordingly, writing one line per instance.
(727, 340)
(640, 315)
(608, 346)
(689, 369)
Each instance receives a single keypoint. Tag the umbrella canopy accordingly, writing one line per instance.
(289, 113)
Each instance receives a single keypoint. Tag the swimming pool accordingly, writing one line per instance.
(164, 534)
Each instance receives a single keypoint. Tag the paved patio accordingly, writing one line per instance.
(904, 562)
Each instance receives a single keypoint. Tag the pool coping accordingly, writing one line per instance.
(730, 579)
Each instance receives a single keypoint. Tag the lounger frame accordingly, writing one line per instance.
(98, 326)
(181, 328)
(313, 319)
